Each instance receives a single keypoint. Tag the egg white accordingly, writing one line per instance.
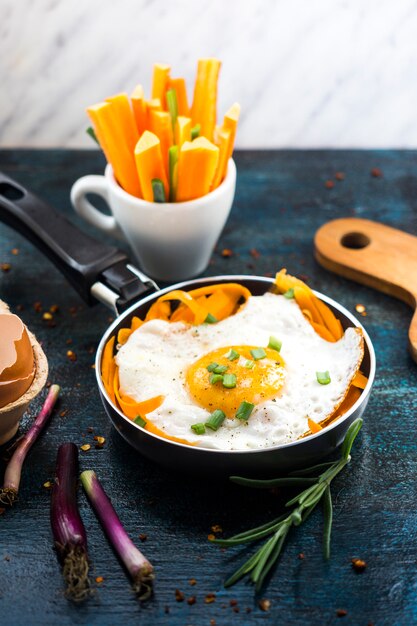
(156, 356)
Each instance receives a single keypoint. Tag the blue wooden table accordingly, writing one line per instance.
(282, 198)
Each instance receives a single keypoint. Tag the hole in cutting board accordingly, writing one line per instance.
(355, 241)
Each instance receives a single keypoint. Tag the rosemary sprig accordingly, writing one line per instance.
(302, 505)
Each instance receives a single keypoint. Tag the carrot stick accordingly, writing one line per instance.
(125, 119)
(180, 87)
(230, 123)
(182, 130)
(161, 126)
(139, 108)
(160, 82)
(204, 109)
(196, 168)
(150, 164)
(224, 138)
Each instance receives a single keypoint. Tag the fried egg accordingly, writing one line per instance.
(174, 359)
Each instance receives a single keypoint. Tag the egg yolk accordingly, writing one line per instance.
(256, 380)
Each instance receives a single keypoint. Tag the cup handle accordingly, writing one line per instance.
(97, 185)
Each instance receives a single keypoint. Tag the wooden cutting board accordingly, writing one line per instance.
(375, 255)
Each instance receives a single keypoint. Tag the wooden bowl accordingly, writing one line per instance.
(11, 414)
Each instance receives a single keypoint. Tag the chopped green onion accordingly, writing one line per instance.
(210, 319)
(220, 369)
(199, 428)
(233, 355)
(90, 131)
(140, 421)
(216, 419)
(172, 105)
(289, 294)
(215, 378)
(274, 343)
(323, 378)
(249, 364)
(244, 410)
(158, 190)
(229, 381)
(173, 172)
(195, 131)
(258, 353)
(212, 366)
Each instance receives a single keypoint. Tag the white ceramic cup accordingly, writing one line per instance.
(171, 241)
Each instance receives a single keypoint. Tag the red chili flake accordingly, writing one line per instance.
(236, 609)
(227, 252)
(37, 306)
(359, 565)
(191, 600)
(19, 307)
(179, 596)
(210, 598)
(301, 556)
(264, 604)
(341, 612)
(212, 622)
(73, 310)
(54, 308)
(15, 251)
(71, 355)
(250, 266)
(211, 537)
(192, 582)
(7, 558)
(329, 184)
(91, 350)
(5, 267)
(63, 413)
(143, 537)
(99, 579)
(254, 253)
(2, 510)
(376, 172)
(233, 602)
(68, 342)
(216, 528)
(339, 176)
(47, 316)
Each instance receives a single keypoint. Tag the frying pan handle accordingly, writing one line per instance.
(97, 271)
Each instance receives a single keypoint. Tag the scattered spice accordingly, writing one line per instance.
(90, 429)
(216, 528)
(210, 598)
(341, 612)
(179, 596)
(7, 558)
(191, 600)
(54, 308)
(233, 602)
(47, 316)
(99, 579)
(339, 176)
(211, 537)
(254, 253)
(376, 172)
(192, 582)
(329, 184)
(359, 565)
(212, 622)
(85, 447)
(71, 355)
(226, 253)
(5, 267)
(73, 310)
(360, 308)
(15, 251)
(301, 556)
(143, 537)
(2, 509)
(37, 306)
(100, 441)
(236, 609)
(68, 342)
(264, 604)
(63, 413)
(48, 484)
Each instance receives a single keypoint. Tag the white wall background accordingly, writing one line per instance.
(308, 73)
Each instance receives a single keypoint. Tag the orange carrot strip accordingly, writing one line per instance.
(161, 433)
(149, 164)
(140, 109)
(234, 288)
(161, 126)
(135, 323)
(123, 335)
(323, 331)
(360, 380)
(351, 397)
(230, 122)
(200, 313)
(159, 310)
(313, 426)
(306, 300)
(332, 323)
(181, 90)
(224, 137)
(110, 136)
(182, 130)
(160, 82)
(106, 360)
(123, 114)
(152, 105)
(204, 109)
(196, 167)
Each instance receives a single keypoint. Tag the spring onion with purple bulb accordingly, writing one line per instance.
(137, 565)
(12, 476)
(67, 527)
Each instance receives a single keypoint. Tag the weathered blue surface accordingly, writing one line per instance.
(281, 200)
